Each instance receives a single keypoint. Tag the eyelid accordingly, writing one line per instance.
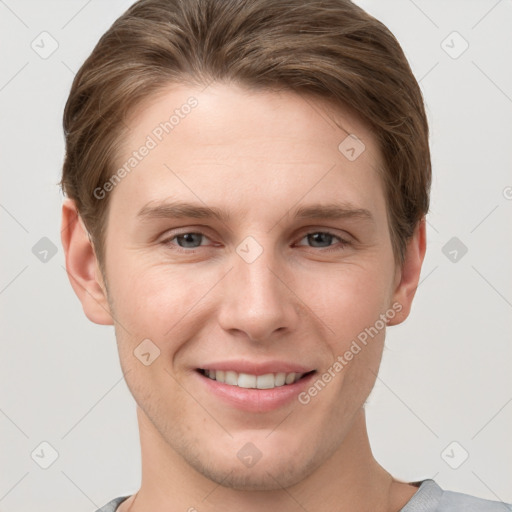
(340, 234)
(202, 230)
(173, 235)
(340, 244)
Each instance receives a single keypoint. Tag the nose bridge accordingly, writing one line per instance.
(254, 262)
(257, 302)
(256, 276)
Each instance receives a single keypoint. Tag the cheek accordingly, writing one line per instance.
(351, 300)
(153, 300)
(161, 301)
(152, 307)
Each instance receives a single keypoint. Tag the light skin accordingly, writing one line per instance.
(259, 156)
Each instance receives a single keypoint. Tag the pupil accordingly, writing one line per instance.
(317, 237)
(189, 238)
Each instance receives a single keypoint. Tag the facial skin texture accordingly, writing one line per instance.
(258, 156)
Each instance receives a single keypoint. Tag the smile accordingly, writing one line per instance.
(250, 381)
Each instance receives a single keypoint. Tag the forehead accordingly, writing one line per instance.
(225, 142)
(222, 109)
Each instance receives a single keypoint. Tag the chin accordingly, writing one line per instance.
(275, 469)
(265, 476)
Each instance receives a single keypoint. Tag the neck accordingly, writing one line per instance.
(351, 479)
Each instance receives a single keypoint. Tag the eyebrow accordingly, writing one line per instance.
(180, 209)
(333, 211)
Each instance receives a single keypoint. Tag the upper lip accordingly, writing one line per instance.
(254, 368)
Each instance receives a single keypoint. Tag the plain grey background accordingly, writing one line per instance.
(442, 404)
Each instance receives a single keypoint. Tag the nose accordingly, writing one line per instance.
(257, 299)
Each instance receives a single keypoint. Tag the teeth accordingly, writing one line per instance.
(231, 378)
(246, 380)
(290, 377)
(267, 381)
(280, 379)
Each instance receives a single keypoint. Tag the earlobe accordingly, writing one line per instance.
(409, 273)
(82, 266)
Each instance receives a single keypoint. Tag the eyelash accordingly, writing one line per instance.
(177, 248)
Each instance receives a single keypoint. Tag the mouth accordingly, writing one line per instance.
(253, 386)
(251, 381)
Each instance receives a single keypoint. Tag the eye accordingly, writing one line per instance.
(321, 239)
(186, 240)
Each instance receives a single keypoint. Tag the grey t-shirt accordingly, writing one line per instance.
(428, 498)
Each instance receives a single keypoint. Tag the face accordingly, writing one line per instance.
(245, 245)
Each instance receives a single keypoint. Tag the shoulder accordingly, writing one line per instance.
(111, 506)
(452, 501)
(431, 498)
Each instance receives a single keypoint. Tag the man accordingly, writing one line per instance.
(247, 186)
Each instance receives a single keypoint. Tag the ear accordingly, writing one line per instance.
(408, 274)
(82, 266)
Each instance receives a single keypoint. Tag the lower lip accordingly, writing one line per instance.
(255, 400)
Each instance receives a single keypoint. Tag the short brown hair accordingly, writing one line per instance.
(330, 48)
